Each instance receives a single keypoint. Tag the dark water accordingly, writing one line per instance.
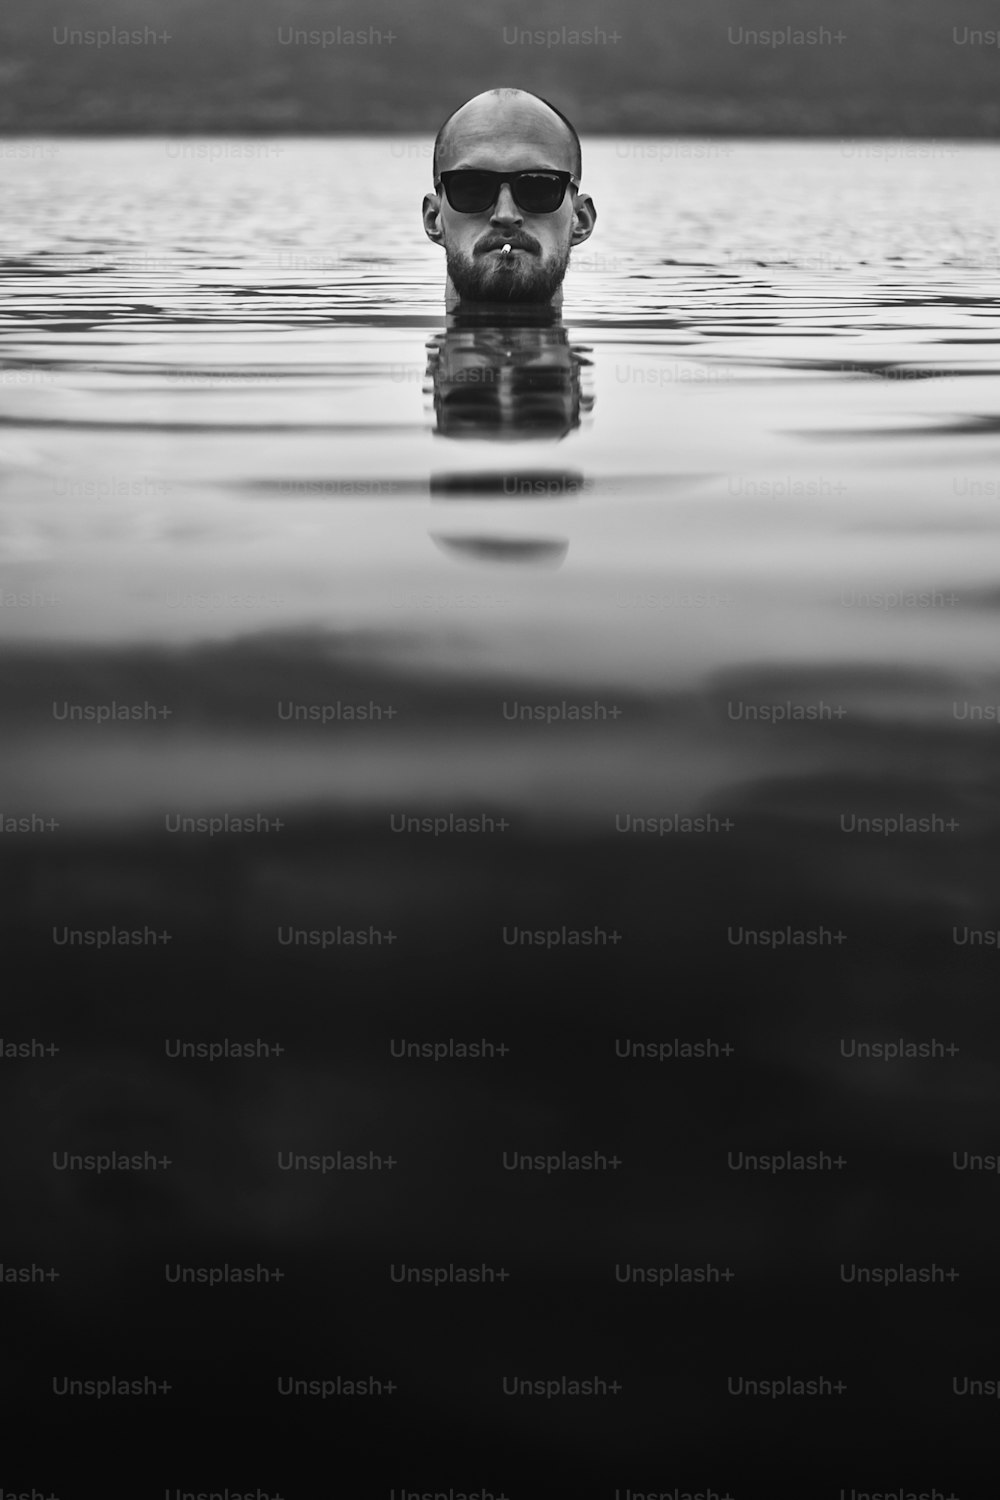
(672, 595)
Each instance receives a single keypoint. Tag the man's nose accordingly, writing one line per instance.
(505, 210)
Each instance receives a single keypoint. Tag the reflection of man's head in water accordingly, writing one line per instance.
(507, 172)
(509, 382)
(510, 377)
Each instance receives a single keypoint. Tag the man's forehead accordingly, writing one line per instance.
(506, 133)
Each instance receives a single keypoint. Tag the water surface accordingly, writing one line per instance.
(740, 505)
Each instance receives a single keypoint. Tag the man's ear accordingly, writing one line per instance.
(584, 219)
(432, 218)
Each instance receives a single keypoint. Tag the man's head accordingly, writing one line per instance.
(508, 130)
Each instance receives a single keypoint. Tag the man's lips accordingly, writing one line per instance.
(496, 246)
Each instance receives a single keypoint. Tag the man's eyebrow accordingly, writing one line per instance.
(466, 166)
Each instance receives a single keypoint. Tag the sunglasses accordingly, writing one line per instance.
(470, 191)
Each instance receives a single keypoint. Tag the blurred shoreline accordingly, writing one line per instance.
(724, 122)
(738, 67)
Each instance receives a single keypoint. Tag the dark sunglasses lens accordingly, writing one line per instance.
(475, 192)
(539, 192)
(471, 192)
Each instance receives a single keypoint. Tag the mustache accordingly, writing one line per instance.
(516, 241)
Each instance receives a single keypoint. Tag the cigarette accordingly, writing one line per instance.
(505, 250)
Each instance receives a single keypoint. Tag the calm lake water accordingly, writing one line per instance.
(721, 544)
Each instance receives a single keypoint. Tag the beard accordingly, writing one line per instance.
(482, 278)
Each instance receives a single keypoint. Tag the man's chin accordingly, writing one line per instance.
(484, 280)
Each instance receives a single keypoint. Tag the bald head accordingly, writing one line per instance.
(508, 115)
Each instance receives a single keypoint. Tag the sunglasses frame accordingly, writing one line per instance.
(511, 178)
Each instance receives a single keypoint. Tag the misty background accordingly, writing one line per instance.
(907, 67)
